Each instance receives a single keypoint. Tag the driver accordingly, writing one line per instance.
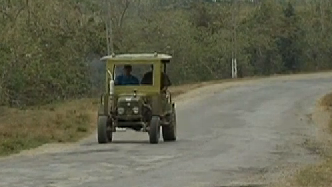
(126, 78)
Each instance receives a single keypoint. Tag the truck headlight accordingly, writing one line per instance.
(135, 110)
(120, 110)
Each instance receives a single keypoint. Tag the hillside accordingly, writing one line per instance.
(50, 51)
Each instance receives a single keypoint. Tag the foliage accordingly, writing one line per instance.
(50, 51)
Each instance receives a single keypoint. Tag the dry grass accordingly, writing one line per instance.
(327, 103)
(327, 100)
(319, 175)
(181, 89)
(26, 129)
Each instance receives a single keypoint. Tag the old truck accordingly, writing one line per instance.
(141, 105)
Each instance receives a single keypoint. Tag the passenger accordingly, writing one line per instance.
(148, 77)
(126, 78)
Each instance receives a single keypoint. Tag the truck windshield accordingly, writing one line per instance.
(137, 74)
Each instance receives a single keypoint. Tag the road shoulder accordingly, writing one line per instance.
(318, 174)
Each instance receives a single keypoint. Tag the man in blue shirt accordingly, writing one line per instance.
(126, 78)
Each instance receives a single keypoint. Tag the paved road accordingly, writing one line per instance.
(248, 131)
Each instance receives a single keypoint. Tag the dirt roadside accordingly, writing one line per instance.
(318, 174)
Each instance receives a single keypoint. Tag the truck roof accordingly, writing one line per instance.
(138, 56)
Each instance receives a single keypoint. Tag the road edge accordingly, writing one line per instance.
(194, 92)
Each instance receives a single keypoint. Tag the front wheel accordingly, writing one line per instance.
(154, 131)
(104, 133)
(169, 131)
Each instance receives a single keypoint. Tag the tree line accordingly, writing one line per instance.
(50, 50)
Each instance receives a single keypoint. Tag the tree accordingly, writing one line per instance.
(288, 41)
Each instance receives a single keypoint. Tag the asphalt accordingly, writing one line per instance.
(243, 134)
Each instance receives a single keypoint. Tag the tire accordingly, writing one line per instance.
(154, 132)
(109, 131)
(169, 131)
(104, 134)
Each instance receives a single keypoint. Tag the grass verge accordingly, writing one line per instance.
(319, 175)
(33, 127)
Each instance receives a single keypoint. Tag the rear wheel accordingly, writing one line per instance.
(104, 132)
(169, 131)
(154, 131)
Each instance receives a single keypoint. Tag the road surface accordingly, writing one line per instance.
(248, 134)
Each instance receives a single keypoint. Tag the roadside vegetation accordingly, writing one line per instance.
(54, 123)
(50, 73)
(319, 174)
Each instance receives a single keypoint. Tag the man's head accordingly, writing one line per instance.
(127, 69)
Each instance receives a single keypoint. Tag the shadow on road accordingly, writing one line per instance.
(119, 142)
(247, 185)
(130, 142)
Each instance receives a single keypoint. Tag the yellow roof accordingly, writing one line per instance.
(138, 56)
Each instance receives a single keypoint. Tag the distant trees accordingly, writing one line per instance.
(43, 46)
(289, 41)
(50, 51)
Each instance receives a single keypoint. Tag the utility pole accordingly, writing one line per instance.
(234, 47)
(108, 24)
